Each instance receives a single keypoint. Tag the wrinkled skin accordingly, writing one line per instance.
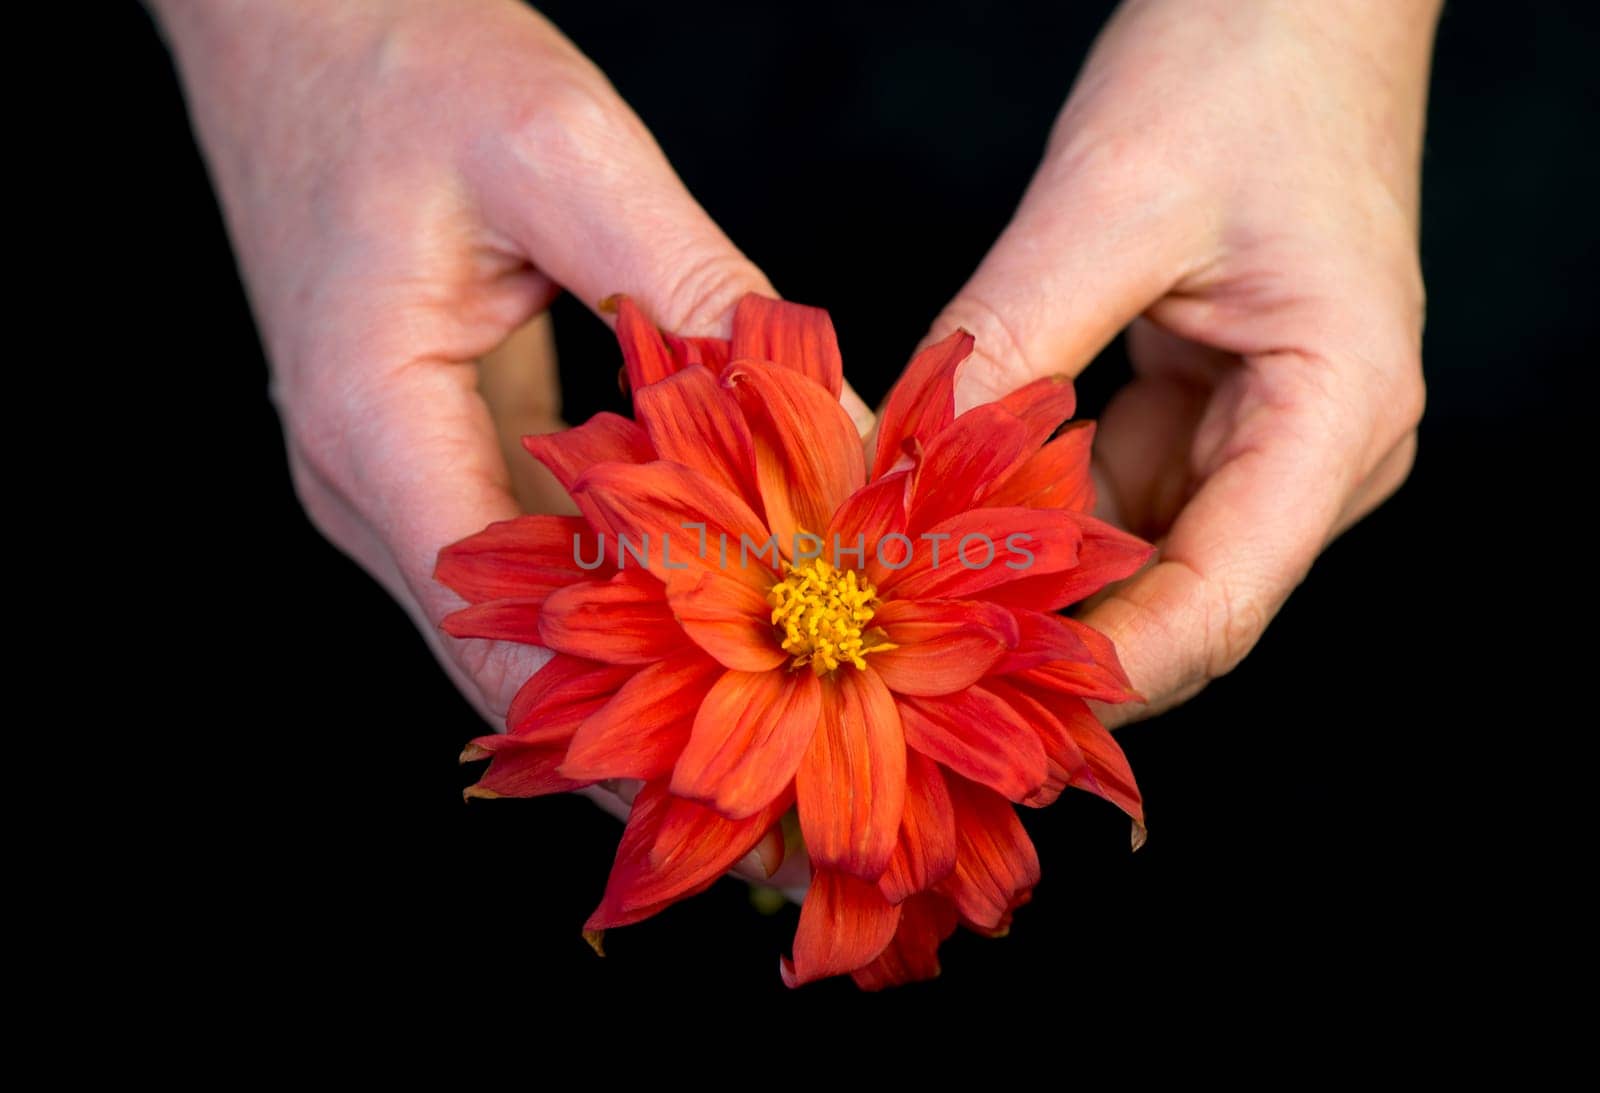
(1239, 181)
(407, 184)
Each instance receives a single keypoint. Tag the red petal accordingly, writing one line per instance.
(1042, 405)
(713, 353)
(658, 500)
(645, 355)
(1097, 675)
(670, 850)
(749, 737)
(1106, 555)
(1055, 477)
(604, 438)
(844, 924)
(1026, 543)
(922, 402)
(851, 784)
(873, 512)
(925, 851)
(979, 737)
(808, 453)
(941, 646)
(925, 922)
(521, 770)
(727, 618)
(694, 420)
(960, 463)
(792, 335)
(695, 844)
(497, 620)
(640, 732)
(624, 621)
(995, 859)
(561, 694)
(1082, 751)
(526, 558)
(1042, 638)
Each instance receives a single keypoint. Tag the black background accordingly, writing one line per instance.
(1348, 808)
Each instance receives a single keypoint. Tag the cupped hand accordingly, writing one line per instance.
(407, 184)
(1238, 180)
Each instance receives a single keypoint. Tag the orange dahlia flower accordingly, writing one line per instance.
(747, 621)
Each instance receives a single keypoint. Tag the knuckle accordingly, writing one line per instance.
(570, 118)
(997, 350)
(1240, 617)
(702, 292)
(1412, 399)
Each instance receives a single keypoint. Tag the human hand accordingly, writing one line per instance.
(1238, 180)
(406, 184)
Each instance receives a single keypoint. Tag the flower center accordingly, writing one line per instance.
(821, 614)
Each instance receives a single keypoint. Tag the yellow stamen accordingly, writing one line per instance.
(821, 615)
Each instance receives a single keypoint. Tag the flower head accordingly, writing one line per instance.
(748, 621)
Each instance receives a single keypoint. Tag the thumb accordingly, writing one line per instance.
(1092, 245)
(588, 197)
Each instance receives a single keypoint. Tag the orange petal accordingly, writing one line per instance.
(844, 924)
(961, 462)
(624, 621)
(925, 851)
(1042, 638)
(1055, 477)
(525, 558)
(979, 737)
(713, 353)
(808, 454)
(995, 860)
(851, 785)
(926, 920)
(497, 620)
(1106, 554)
(958, 563)
(657, 500)
(604, 438)
(649, 875)
(561, 694)
(694, 420)
(792, 335)
(1042, 405)
(645, 355)
(641, 730)
(749, 737)
(1081, 751)
(873, 512)
(695, 844)
(922, 402)
(519, 769)
(727, 618)
(941, 646)
(1068, 657)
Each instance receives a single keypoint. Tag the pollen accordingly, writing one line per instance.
(821, 614)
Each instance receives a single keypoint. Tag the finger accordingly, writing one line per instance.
(520, 384)
(1389, 475)
(586, 194)
(1239, 546)
(1092, 245)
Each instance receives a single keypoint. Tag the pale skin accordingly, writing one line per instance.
(408, 183)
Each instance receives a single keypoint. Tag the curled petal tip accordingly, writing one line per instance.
(596, 940)
(478, 791)
(473, 752)
(611, 304)
(1140, 834)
